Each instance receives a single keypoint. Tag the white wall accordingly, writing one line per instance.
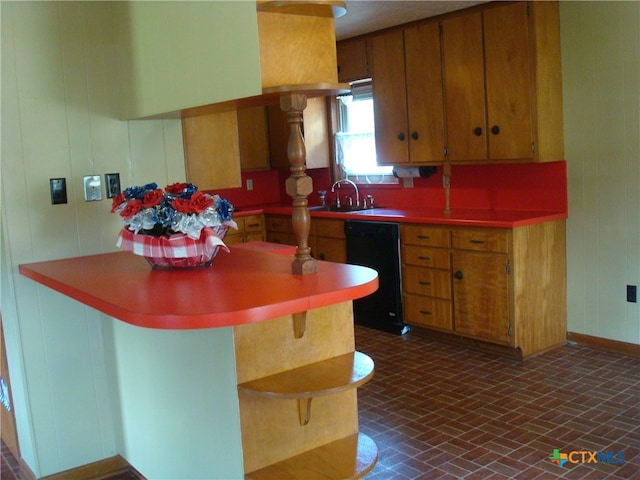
(59, 119)
(601, 88)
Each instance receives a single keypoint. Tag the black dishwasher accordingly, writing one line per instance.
(377, 245)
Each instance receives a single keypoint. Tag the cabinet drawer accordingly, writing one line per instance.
(278, 223)
(328, 228)
(425, 235)
(481, 240)
(428, 312)
(425, 257)
(254, 223)
(427, 281)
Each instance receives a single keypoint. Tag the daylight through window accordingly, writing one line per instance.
(355, 139)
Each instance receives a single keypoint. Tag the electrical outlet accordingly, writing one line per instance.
(112, 183)
(249, 184)
(58, 189)
(92, 188)
(632, 293)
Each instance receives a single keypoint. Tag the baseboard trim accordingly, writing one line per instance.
(452, 338)
(25, 472)
(101, 469)
(606, 344)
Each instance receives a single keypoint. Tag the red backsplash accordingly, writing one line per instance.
(524, 186)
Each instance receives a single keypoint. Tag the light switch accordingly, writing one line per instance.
(58, 188)
(92, 188)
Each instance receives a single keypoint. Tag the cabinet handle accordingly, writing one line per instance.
(425, 312)
(414, 135)
(423, 237)
(401, 137)
(254, 224)
(422, 282)
(495, 129)
(477, 131)
(424, 258)
(458, 275)
(477, 242)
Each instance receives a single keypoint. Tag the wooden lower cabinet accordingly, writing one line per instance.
(298, 398)
(279, 229)
(502, 286)
(250, 229)
(481, 289)
(328, 240)
(426, 276)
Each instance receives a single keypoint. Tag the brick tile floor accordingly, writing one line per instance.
(440, 411)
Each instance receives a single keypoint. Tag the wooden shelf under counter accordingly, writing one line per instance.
(348, 458)
(321, 378)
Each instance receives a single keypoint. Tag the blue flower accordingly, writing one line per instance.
(225, 209)
(164, 216)
(189, 190)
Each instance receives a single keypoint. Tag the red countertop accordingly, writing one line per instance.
(250, 284)
(467, 217)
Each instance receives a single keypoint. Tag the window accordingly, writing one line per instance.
(355, 138)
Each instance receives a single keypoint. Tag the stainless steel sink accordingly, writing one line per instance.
(342, 208)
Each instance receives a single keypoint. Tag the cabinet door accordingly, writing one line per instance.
(316, 133)
(481, 296)
(211, 150)
(424, 93)
(507, 70)
(464, 87)
(315, 128)
(253, 139)
(352, 59)
(389, 98)
(330, 249)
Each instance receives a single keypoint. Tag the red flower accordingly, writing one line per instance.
(182, 205)
(200, 202)
(152, 198)
(131, 208)
(176, 188)
(117, 201)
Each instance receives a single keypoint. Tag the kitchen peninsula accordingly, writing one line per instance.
(215, 349)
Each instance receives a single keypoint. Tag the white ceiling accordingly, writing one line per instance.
(364, 16)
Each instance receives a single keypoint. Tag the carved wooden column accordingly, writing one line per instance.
(299, 185)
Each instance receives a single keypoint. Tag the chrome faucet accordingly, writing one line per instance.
(355, 187)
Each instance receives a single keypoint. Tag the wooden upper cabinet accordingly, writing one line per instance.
(464, 87)
(315, 131)
(508, 84)
(389, 98)
(407, 92)
(424, 86)
(253, 138)
(353, 63)
(503, 83)
(211, 150)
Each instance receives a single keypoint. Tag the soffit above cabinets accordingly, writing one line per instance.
(365, 16)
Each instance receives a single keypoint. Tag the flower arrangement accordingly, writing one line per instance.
(180, 208)
(178, 227)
